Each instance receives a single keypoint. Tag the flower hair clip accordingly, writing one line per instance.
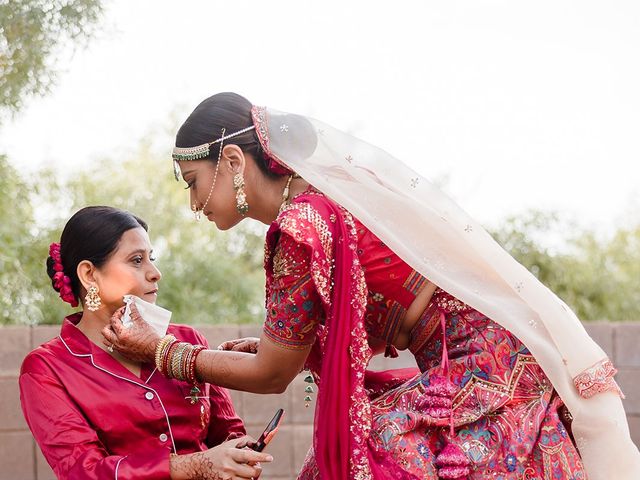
(61, 282)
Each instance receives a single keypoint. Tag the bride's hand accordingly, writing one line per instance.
(137, 342)
(246, 345)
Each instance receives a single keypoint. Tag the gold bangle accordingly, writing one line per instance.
(176, 360)
(162, 348)
(167, 340)
(185, 361)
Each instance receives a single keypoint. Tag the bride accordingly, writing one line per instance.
(365, 256)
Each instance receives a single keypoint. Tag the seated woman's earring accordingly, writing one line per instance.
(241, 196)
(92, 299)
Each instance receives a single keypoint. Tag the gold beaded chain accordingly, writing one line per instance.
(196, 211)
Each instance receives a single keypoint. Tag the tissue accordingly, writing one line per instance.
(154, 315)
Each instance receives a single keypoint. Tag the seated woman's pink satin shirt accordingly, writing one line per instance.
(94, 419)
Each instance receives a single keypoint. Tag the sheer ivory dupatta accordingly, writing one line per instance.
(439, 240)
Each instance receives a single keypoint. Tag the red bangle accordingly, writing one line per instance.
(167, 359)
(191, 372)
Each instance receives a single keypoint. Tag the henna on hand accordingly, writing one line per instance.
(223, 462)
(246, 345)
(203, 468)
(192, 467)
(137, 342)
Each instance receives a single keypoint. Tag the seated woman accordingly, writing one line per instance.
(96, 414)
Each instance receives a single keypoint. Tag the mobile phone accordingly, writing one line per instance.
(268, 433)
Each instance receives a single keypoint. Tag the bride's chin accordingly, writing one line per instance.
(221, 224)
(214, 220)
(222, 227)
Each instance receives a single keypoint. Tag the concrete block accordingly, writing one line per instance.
(602, 333)
(627, 345)
(280, 448)
(43, 469)
(629, 381)
(17, 456)
(236, 398)
(259, 409)
(405, 359)
(250, 330)
(216, 334)
(43, 333)
(302, 442)
(15, 343)
(11, 417)
(377, 363)
(634, 428)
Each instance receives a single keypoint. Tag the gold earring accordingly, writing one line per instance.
(92, 300)
(241, 196)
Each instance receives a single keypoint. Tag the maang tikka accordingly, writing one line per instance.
(183, 154)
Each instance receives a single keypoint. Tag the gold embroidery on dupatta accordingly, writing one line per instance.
(294, 220)
(597, 379)
(360, 410)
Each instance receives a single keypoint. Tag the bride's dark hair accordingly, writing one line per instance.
(228, 111)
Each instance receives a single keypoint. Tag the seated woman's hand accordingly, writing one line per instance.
(227, 461)
(246, 345)
(137, 341)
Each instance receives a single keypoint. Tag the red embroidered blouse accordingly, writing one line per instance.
(94, 419)
(296, 287)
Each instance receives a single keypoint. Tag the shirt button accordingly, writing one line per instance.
(148, 396)
(163, 437)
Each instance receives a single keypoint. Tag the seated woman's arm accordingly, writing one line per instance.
(70, 445)
(224, 423)
(73, 449)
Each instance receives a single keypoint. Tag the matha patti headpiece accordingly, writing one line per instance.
(182, 154)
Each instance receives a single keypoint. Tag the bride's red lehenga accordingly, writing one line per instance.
(479, 407)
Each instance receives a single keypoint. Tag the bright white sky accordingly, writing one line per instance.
(521, 104)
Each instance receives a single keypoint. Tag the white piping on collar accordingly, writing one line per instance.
(175, 450)
(151, 375)
(118, 465)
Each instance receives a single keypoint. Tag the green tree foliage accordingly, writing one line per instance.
(598, 278)
(216, 277)
(19, 301)
(33, 34)
(208, 276)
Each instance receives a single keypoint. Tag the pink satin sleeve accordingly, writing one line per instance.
(294, 307)
(71, 446)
